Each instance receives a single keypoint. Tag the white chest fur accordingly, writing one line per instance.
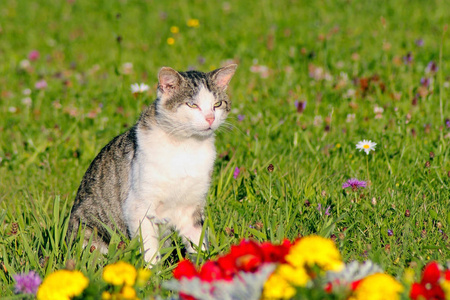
(169, 174)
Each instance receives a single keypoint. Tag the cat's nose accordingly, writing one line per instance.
(210, 120)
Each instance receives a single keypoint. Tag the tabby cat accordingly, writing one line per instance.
(159, 171)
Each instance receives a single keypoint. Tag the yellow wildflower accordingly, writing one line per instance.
(171, 41)
(193, 23)
(315, 250)
(142, 276)
(276, 287)
(174, 29)
(295, 276)
(106, 295)
(378, 286)
(128, 293)
(120, 273)
(62, 285)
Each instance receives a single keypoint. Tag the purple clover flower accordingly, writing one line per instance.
(390, 232)
(27, 283)
(241, 118)
(447, 123)
(236, 173)
(419, 42)
(354, 184)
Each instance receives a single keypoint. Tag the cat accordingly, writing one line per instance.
(159, 171)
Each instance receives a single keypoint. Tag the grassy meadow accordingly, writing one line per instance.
(314, 78)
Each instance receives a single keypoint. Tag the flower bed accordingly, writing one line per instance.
(309, 268)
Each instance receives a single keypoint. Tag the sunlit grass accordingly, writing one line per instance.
(343, 60)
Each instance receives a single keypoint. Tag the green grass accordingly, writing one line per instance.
(46, 147)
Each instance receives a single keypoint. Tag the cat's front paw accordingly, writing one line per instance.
(152, 257)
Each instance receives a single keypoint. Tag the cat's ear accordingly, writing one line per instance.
(169, 80)
(221, 77)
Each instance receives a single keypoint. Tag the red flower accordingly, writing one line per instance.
(184, 296)
(227, 264)
(354, 285)
(431, 273)
(186, 269)
(211, 271)
(428, 288)
(275, 253)
(248, 256)
(328, 287)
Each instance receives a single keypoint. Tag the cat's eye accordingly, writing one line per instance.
(191, 105)
(218, 104)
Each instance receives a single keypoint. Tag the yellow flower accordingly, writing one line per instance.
(128, 293)
(120, 273)
(378, 286)
(446, 287)
(295, 276)
(106, 295)
(174, 29)
(315, 250)
(276, 287)
(142, 276)
(171, 41)
(193, 23)
(62, 285)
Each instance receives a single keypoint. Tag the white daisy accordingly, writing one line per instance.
(137, 88)
(366, 146)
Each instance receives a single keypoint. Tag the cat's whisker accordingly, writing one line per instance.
(233, 127)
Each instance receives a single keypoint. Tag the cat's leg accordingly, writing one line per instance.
(190, 227)
(143, 223)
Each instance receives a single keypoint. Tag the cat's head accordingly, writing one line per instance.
(193, 103)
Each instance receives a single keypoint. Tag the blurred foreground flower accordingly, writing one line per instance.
(137, 88)
(27, 283)
(377, 286)
(62, 285)
(429, 287)
(315, 251)
(365, 145)
(120, 273)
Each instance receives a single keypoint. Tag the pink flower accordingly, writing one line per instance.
(41, 84)
(33, 55)
(27, 283)
(236, 173)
